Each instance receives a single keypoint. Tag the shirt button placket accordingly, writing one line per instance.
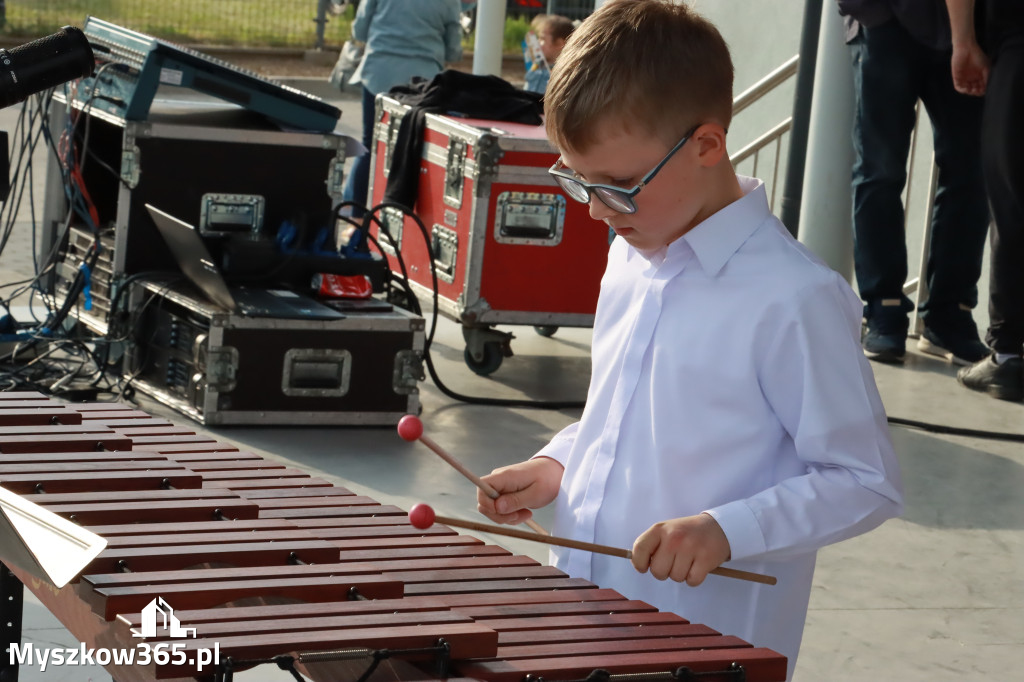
(640, 338)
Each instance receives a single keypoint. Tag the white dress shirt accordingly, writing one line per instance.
(727, 377)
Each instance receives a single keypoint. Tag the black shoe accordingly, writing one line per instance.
(1005, 381)
(885, 336)
(953, 336)
(881, 347)
(960, 350)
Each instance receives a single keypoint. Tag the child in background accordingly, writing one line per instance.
(531, 46)
(731, 415)
(547, 36)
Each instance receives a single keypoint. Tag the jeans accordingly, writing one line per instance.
(357, 185)
(1003, 156)
(891, 72)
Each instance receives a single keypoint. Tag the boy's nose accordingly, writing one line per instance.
(600, 210)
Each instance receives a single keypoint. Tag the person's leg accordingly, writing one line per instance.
(885, 85)
(358, 183)
(1003, 146)
(959, 220)
(1003, 162)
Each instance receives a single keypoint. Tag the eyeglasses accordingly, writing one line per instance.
(615, 198)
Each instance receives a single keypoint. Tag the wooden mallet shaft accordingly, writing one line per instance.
(480, 483)
(411, 428)
(586, 546)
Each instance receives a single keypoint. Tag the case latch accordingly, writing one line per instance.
(221, 368)
(390, 238)
(336, 176)
(408, 372)
(455, 172)
(444, 243)
(391, 132)
(130, 160)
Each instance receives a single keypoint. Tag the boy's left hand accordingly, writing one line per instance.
(684, 549)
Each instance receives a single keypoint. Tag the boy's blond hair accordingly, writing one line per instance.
(651, 65)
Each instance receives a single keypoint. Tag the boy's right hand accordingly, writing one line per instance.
(521, 487)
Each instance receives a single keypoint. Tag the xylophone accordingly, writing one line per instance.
(272, 565)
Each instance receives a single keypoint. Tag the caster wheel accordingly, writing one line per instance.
(491, 361)
(546, 330)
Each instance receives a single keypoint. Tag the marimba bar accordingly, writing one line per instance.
(264, 560)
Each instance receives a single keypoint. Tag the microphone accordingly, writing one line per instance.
(44, 63)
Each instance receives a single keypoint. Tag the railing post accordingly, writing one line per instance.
(825, 221)
(490, 36)
(792, 189)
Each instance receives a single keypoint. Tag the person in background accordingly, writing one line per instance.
(551, 32)
(404, 38)
(901, 51)
(531, 46)
(997, 72)
(731, 415)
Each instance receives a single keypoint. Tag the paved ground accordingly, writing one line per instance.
(934, 596)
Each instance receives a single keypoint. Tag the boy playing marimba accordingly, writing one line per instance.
(731, 415)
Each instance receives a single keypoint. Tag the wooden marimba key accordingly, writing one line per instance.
(265, 560)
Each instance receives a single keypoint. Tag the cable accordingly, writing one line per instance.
(153, 298)
(57, 358)
(957, 431)
(371, 217)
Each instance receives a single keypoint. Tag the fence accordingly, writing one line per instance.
(237, 23)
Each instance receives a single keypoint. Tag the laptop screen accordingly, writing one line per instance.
(193, 257)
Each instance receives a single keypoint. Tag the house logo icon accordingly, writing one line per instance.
(171, 624)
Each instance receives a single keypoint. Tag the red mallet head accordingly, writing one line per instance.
(410, 427)
(421, 515)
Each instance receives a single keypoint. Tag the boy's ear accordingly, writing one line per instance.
(710, 139)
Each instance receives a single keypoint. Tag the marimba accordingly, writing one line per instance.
(272, 565)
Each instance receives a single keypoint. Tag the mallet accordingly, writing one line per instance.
(422, 516)
(410, 428)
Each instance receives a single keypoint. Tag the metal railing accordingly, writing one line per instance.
(773, 137)
(919, 285)
(916, 286)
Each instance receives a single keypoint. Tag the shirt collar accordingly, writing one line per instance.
(718, 237)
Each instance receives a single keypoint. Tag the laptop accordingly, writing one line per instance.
(195, 261)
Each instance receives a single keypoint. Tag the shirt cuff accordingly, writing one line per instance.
(555, 450)
(741, 529)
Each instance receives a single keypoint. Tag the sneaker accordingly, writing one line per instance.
(885, 336)
(953, 337)
(881, 347)
(1005, 381)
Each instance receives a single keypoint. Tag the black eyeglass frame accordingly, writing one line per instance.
(602, 191)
